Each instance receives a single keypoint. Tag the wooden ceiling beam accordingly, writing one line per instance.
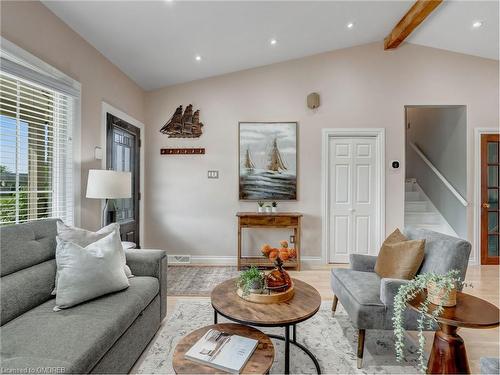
(410, 21)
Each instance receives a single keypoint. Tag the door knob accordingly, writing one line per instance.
(486, 205)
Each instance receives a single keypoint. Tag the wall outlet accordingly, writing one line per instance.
(213, 174)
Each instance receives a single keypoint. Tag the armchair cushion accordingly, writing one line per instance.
(389, 289)
(359, 294)
(364, 263)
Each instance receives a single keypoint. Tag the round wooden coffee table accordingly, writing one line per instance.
(448, 355)
(259, 363)
(304, 304)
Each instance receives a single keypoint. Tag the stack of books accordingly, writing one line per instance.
(222, 351)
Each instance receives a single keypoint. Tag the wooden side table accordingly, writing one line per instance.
(289, 220)
(448, 355)
(259, 363)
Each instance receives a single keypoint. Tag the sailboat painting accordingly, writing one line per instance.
(268, 160)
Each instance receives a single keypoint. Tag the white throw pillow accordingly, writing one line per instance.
(89, 272)
(83, 237)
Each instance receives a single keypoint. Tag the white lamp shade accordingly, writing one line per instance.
(103, 184)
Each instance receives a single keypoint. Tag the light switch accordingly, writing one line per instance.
(97, 153)
(213, 174)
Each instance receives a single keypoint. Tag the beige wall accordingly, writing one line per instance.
(359, 87)
(34, 28)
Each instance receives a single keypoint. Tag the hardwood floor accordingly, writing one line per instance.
(479, 343)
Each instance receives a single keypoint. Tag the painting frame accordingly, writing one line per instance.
(291, 173)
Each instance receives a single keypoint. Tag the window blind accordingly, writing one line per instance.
(36, 163)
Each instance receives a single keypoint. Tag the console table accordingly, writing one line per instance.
(289, 220)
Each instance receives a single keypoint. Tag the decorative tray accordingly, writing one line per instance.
(269, 297)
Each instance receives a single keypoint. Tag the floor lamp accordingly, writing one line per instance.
(105, 184)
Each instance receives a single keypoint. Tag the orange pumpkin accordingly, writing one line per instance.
(273, 254)
(266, 249)
(284, 255)
(292, 253)
(284, 243)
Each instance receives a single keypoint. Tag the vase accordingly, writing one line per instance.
(436, 295)
(256, 287)
(260, 210)
(278, 279)
(268, 210)
(274, 209)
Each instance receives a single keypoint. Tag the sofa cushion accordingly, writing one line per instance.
(359, 293)
(24, 245)
(83, 238)
(84, 273)
(77, 338)
(26, 289)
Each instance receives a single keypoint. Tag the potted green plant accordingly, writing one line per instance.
(274, 206)
(260, 207)
(251, 281)
(440, 291)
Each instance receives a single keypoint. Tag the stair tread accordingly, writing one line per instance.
(421, 213)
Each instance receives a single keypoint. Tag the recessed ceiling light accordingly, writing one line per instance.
(198, 58)
(477, 24)
(350, 25)
(273, 42)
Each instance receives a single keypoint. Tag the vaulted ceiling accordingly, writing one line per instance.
(156, 43)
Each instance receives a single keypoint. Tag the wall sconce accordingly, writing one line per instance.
(313, 100)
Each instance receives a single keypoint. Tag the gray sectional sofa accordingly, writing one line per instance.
(104, 335)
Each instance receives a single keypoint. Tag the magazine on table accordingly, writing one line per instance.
(222, 351)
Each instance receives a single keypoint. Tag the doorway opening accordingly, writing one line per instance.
(436, 169)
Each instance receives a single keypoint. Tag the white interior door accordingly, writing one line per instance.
(353, 192)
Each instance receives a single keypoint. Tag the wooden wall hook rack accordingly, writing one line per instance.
(182, 151)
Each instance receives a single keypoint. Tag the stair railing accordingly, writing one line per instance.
(439, 175)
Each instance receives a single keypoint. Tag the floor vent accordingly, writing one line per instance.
(179, 259)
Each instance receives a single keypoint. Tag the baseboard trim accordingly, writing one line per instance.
(221, 260)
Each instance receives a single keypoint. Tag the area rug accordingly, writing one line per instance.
(197, 280)
(333, 340)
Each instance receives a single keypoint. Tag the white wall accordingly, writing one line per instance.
(362, 86)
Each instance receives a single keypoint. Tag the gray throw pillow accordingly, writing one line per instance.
(85, 237)
(88, 272)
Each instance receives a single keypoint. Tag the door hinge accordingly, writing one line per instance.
(140, 142)
(139, 196)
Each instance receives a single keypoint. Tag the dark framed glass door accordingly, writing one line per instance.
(490, 186)
(123, 154)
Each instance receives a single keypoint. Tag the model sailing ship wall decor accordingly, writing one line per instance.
(183, 125)
(268, 161)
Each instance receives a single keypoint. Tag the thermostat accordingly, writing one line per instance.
(395, 164)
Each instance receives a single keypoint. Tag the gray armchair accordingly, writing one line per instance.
(368, 299)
